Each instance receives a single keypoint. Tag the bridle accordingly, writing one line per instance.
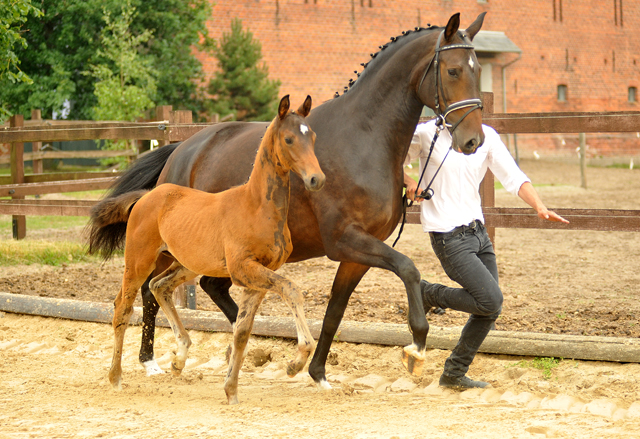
(472, 104)
(441, 120)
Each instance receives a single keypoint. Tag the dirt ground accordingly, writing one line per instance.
(553, 281)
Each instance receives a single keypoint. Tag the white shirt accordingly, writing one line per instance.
(456, 199)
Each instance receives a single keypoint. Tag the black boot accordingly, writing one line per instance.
(461, 383)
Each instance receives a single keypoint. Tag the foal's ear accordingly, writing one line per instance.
(283, 108)
(452, 27)
(475, 26)
(305, 108)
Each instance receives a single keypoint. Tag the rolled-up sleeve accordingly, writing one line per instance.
(502, 164)
(415, 149)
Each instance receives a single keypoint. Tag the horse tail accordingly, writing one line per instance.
(144, 172)
(107, 225)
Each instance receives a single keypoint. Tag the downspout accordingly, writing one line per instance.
(504, 102)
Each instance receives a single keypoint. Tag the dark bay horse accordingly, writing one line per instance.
(363, 138)
(240, 233)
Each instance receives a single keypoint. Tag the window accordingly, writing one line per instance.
(633, 94)
(562, 93)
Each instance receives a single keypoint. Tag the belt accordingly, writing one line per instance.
(473, 225)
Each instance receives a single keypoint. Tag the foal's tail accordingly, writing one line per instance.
(107, 225)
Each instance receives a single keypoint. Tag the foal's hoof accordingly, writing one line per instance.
(413, 360)
(175, 371)
(292, 369)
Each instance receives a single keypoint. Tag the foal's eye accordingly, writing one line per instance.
(288, 140)
(453, 72)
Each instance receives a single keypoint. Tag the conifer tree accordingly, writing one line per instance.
(241, 86)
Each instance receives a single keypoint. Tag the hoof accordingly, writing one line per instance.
(152, 368)
(323, 385)
(116, 383)
(292, 369)
(413, 360)
(175, 371)
(233, 400)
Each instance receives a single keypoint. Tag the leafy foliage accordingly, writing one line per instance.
(13, 13)
(241, 87)
(66, 40)
(126, 85)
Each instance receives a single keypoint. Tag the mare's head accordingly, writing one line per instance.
(451, 87)
(295, 144)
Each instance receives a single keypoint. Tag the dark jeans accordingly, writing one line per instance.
(467, 256)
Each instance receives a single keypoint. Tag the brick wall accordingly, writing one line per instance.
(314, 47)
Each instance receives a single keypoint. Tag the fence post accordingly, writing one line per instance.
(163, 112)
(583, 160)
(487, 188)
(185, 294)
(38, 168)
(19, 222)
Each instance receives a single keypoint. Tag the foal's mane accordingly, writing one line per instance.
(380, 57)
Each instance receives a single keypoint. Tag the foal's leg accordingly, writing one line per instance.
(257, 276)
(162, 287)
(249, 302)
(123, 308)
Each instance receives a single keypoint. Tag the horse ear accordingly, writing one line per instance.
(283, 109)
(452, 27)
(305, 108)
(475, 26)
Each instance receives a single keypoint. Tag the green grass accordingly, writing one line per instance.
(45, 222)
(42, 252)
(545, 364)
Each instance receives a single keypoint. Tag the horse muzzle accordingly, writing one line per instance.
(470, 145)
(314, 182)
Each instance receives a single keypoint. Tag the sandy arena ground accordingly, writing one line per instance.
(54, 371)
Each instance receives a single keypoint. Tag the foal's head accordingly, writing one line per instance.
(295, 143)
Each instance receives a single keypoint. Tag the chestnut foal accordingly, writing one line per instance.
(241, 233)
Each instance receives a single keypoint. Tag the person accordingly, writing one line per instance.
(453, 218)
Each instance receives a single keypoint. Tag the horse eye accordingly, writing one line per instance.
(288, 140)
(452, 72)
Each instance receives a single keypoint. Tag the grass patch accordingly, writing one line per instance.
(545, 364)
(46, 222)
(43, 252)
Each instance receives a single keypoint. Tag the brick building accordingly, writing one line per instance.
(537, 55)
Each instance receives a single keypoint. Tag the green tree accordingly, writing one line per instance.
(66, 40)
(13, 14)
(241, 87)
(126, 86)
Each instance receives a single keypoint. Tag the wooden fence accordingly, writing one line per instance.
(177, 126)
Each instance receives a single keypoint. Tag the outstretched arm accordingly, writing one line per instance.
(528, 193)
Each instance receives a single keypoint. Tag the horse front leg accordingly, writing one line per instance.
(249, 302)
(356, 245)
(217, 288)
(346, 280)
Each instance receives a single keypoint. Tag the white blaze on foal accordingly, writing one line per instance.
(304, 129)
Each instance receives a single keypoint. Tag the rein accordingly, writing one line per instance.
(441, 123)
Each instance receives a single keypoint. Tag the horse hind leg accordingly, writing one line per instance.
(162, 287)
(150, 308)
(123, 308)
(249, 302)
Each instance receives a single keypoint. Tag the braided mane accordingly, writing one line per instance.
(376, 57)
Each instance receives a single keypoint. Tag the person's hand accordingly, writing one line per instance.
(550, 215)
(412, 187)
